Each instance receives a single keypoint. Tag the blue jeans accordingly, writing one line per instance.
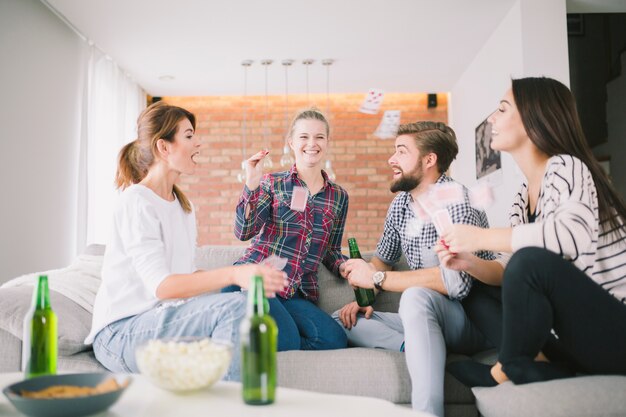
(303, 325)
(214, 315)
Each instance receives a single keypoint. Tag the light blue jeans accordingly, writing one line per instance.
(213, 315)
(429, 323)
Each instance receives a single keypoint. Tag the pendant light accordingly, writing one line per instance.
(287, 160)
(307, 63)
(241, 175)
(267, 161)
(328, 166)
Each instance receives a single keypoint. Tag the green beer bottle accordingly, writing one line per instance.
(364, 296)
(259, 339)
(39, 346)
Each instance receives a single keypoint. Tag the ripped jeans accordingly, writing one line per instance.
(213, 315)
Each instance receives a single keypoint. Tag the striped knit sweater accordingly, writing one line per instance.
(567, 223)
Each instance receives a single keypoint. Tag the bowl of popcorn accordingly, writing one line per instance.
(184, 364)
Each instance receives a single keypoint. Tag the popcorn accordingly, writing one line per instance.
(183, 365)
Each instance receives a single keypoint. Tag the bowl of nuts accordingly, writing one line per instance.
(68, 395)
(184, 364)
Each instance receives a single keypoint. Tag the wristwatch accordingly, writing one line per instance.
(378, 278)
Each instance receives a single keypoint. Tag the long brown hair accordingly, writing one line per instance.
(548, 112)
(157, 121)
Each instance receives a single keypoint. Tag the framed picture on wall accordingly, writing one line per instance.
(487, 160)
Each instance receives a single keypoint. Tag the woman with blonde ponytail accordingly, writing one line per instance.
(306, 236)
(149, 259)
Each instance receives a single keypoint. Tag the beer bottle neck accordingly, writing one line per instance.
(42, 300)
(257, 304)
(355, 253)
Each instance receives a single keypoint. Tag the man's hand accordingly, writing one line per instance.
(348, 314)
(342, 271)
(360, 273)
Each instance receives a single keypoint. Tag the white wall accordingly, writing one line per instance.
(530, 41)
(616, 120)
(40, 84)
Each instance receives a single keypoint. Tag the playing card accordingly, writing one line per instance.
(388, 127)
(481, 195)
(447, 193)
(275, 262)
(299, 198)
(372, 101)
(442, 221)
(413, 227)
(419, 212)
(427, 203)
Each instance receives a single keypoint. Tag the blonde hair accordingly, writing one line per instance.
(157, 121)
(311, 113)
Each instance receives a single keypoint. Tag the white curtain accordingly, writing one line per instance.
(112, 102)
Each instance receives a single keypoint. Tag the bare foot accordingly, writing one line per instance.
(498, 375)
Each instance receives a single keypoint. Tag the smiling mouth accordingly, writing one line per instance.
(193, 157)
(311, 152)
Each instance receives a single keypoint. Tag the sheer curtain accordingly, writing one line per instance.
(112, 101)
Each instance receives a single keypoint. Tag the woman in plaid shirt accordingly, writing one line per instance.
(298, 215)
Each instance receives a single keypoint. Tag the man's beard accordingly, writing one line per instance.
(408, 182)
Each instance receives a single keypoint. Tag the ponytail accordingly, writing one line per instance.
(182, 199)
(130, 170)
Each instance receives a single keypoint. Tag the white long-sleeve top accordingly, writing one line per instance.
(151, 239)
(567, 223)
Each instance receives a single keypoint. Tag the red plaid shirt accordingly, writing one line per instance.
(304, 238)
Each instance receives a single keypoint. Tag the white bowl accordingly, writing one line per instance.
(183, 364)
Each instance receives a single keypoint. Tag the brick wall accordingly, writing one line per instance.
(358, 157)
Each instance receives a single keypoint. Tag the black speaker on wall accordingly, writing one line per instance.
(432, 101)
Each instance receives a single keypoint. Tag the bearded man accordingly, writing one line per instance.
(431, 318)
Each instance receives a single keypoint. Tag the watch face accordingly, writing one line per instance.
(378, 277)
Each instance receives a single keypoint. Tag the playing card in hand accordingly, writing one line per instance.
(442, 221)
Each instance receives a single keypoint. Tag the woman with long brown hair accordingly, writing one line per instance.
(150, 286)
(563, 291)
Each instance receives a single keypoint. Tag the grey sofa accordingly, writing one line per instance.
(353, 371)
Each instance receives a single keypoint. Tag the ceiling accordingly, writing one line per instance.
(395, 45)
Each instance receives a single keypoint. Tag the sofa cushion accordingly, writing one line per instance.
(74, 321)
(217, 256)
(580, 396)
(11, 358)
(354, 371)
